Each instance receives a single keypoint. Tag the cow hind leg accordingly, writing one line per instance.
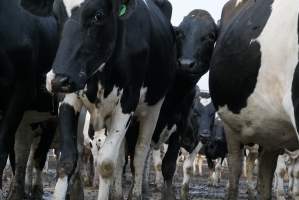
(234, 163)
(267, 165)
(22, 149)
(169, 166)
(249, 167)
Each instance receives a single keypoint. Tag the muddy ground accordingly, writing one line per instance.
(199, 187)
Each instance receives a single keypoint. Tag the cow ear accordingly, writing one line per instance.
(38, 7)
(126, 8)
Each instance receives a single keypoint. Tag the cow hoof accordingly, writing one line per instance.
(37, 192)
(168, 194)
(185, 192)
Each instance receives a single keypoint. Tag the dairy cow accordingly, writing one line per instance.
(254, 83)
(120, 56)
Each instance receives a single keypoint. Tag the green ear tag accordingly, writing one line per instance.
(122, 10)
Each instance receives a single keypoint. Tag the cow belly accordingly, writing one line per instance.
(256, 125)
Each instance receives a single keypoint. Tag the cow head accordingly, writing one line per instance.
(88, 42)
(206, 119)
(38, 7)
(216, 145)
(196, 36)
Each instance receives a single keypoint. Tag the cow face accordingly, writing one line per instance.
(216, 145)
(206, 119)
(196, 36)
(88, 42)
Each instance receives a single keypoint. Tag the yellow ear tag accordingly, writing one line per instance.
(122, 10)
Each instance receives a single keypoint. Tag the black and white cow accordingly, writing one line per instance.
(121, 57)
(195, 41)
(254, 85)
(28, 46)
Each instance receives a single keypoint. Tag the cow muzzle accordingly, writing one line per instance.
(204, 135)
(61, 84)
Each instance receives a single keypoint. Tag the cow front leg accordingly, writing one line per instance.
(234, 162)
(157, 161)
(147, 126)
(68, 121)
(169, 166)
(108, 154)
(187, 171)
(267, 165)
(117, 192)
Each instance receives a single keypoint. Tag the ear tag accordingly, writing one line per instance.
(122, 10)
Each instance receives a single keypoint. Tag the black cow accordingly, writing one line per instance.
(254, 85)
(195, 41)
(121, 57)
(28, 46)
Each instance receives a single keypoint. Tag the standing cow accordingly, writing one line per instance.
(254, 85)
(120, 56)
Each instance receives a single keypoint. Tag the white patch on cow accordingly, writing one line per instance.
(71, 4)
(73, 100)
(104, 106)
(205, 101)
(269, 108)
(86, 129)
(60, 189)
(238, 2)
(50, 77)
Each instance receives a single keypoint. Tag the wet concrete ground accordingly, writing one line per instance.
(199, 187)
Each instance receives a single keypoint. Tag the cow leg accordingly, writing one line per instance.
(279, 178)
(158, 168)
(197, 165)
(68, 120)
(145, 182)
(146, 131)
(108, 154)
(24, 137)
(234, 162)
(216, 174)
(267, 165)
(249, 167)
(169, 166)
(117, 192)
(187, 170)
(29, 169)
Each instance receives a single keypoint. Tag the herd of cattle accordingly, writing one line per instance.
(117, 80)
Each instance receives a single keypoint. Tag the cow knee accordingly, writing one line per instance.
(106, 168)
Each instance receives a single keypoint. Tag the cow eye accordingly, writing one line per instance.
(98, 17)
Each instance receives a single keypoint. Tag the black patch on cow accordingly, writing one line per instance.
(237, 58)
(295, 91)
